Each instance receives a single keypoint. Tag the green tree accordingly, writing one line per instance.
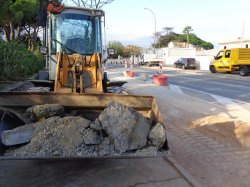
(18, 16)
(166, 36)
(206, 45)
(118, 46)
(187, 31)
(132, 50)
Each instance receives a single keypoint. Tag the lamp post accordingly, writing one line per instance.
(155, 24)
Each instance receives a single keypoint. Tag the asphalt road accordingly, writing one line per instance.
(231, 86)
(226, 85)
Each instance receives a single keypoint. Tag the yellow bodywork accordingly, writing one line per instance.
(75, 65)
(228, 60)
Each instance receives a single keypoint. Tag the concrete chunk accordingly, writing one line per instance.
(128, 128)
(157, 135)
(91, 137)
(17, 136)
(42, 112)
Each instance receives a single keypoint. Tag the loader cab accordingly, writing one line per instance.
(74, 50)
(73, 31)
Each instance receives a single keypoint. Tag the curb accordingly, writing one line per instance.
(183, 172)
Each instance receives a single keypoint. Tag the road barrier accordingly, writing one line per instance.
(160, 66)
(161, 80)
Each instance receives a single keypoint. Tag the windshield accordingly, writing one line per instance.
(219, 55)
(76, 33)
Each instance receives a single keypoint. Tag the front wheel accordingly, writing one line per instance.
(212, 69)
(243, 71)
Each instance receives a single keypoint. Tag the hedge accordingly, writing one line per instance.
(17, 62)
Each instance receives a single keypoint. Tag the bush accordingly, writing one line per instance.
(17, 62)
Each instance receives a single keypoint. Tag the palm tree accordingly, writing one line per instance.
(187, 31)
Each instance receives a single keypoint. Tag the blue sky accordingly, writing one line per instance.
(212, 20)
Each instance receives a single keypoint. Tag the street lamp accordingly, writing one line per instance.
(155, 24)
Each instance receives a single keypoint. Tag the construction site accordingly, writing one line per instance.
(82, 121)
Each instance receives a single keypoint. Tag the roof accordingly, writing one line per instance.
(90, 10)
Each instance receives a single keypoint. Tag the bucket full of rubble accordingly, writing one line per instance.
(50, 131)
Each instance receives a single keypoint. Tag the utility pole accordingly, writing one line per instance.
(155, 24)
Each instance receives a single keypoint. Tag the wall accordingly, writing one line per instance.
(173, 54)
(203, 62)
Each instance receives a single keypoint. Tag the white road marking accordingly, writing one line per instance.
(202, 92)
(176, 88)
(223, 100)
(228, 103)
(233, 109)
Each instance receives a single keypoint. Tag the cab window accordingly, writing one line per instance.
(227, 54)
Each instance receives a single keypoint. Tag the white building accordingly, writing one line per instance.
(234, 44)
(170, 54)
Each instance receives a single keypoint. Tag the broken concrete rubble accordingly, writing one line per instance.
(40, 112)
(23, 134)
(151, 150)
(91, 137)
(17, 136)
(128, 128)
(61, 137)
(157, 135)
(107, 147)
(96, 125)
(119, 130)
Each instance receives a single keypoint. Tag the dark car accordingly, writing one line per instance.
(185, 63)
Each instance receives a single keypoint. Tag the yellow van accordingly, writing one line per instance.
(229, 60)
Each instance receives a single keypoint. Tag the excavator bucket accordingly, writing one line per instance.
(14, 104)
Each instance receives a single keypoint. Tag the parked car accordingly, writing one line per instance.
(185, 63)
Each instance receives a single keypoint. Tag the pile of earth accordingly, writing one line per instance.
(119, 130)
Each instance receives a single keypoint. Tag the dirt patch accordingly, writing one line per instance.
(224, 128)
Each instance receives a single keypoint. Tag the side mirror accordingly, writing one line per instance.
(43, 50)
(111, 51)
